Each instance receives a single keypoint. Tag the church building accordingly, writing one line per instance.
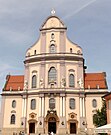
(55, 94)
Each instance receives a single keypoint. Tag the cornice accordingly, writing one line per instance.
(56, 56)
(56, 91)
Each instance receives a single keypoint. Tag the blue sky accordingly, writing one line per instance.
(88, 23)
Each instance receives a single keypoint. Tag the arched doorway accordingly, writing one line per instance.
(52, 125)
(51, 122)
(72, 123)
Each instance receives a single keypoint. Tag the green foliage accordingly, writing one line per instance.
(100, 118)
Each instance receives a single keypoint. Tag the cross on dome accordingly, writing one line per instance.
(52, 11)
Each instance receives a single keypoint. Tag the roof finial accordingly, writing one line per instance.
(52, 11)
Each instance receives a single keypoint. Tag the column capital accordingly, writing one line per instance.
(41, 95)
(62, 95)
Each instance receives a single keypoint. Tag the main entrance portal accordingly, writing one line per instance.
(72, 128)
(32, 128)
(52, 125)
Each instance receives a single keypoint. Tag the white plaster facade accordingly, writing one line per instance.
(67, 58)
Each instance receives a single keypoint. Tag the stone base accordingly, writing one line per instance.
(62, 126)
(83, 123)
(86, 131)
(11, 131)
(40, 131)
(62, 131)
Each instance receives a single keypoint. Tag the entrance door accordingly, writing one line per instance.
(52, 125)
(72, 128)
(31, 127)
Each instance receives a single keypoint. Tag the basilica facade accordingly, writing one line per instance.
(55, 94)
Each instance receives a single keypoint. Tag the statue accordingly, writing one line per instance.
(25, 85)
(63, 82)
(80, 82)
(41, 83)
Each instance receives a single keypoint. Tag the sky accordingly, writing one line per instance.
(88, 23)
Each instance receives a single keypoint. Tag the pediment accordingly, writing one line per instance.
(52, 22)
(72, 116)
(32, 115)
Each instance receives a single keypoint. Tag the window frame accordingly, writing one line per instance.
(52, 75)
(33, 104)
(34, 81)
(12, 119)
(70, 50)
(52, 48)
(72, 104)
(14, 104)
(71, 80)
(94, 103)
(52, 103)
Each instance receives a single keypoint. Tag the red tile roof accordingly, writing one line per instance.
(14, 82)
(107, 96)
(94, 80)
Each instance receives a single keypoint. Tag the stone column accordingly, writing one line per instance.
(41, 114)
(40, 107)
(24, 106)
(43, 106)
(82, 112)
(80, 107)
(60, 106)
(64, 110)
(83, 101)
(24, 113)
(62, 125)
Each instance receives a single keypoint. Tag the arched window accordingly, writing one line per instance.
(71, 80)
(13, 104)
(34, 80)
(51, 103)
(52, 48)
(70, 50)
(52, 75)
(33, 104)
(72, 103)
(94, 117)
(34, 52)
(52, 36)
(94, 103)
(12, 121)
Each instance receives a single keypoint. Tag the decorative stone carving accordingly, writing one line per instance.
(32, 115)
(63, 82)
(72, 116)
(25, 85)
(41, 83)
(80, 82)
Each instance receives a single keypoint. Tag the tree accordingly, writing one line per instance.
(100, 118)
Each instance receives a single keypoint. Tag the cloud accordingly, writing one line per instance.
(80, 9)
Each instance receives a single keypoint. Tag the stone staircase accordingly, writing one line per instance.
(56, 134)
